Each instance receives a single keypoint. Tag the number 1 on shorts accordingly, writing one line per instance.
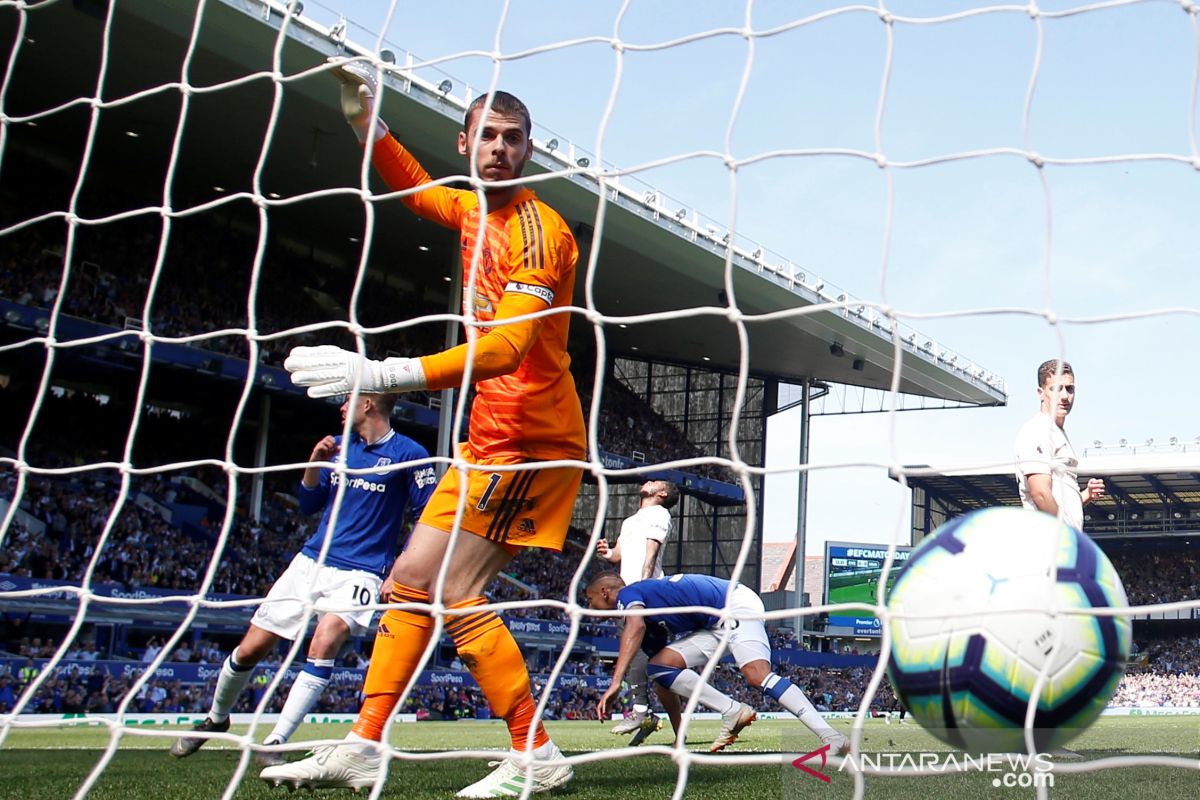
(493, 482)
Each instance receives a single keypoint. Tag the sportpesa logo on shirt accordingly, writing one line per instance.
(358, 482)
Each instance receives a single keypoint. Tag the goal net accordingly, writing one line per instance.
(181, 203)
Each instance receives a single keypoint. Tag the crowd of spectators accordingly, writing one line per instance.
(630, 427)
(143, 550)
(1162, 672)
(548, 576)
(1158, 576)
(1157, 689)
(204, 287)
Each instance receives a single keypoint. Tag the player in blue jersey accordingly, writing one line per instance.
(682, 641)
(363, 543)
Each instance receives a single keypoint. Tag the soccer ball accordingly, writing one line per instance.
(968, 679)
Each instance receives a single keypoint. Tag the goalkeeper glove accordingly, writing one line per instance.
(359, 91)
(328, 371)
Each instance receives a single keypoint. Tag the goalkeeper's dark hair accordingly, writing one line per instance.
(670, 495)
(1050, 368)
(502, 103)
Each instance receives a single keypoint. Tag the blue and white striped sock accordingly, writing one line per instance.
(685, 682)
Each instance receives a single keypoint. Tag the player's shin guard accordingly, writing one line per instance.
(230, 682)
(400, 640)
(305, 692)
(685, 682)
(490, 652)
(788, 695)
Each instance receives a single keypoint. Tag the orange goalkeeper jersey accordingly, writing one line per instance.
(533, 412)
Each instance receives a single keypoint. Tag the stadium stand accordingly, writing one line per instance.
(113, 263)
(630, 427)
(1158, 577)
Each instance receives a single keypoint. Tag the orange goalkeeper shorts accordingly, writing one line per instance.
(514, 508)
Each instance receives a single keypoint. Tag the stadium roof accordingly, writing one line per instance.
(1148, 495)
(651, 261)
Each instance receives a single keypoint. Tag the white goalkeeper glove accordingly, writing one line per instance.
(358, 98)
(328, 371)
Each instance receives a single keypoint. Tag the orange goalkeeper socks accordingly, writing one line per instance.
(400, 640)
(490, 652)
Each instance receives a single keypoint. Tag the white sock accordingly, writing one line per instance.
(790, 697)
(230, 683)
(361, 745)
(305, 692)
(688, 682)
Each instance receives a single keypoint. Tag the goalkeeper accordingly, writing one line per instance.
(519, 258)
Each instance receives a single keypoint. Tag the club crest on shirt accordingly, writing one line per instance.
(483, 305)
(382, 462)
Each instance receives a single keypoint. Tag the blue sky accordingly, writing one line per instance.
(966, 235)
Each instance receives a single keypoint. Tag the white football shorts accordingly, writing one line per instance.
(282, 612)
(747, 641)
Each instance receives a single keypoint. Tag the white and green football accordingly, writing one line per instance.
(973, 632)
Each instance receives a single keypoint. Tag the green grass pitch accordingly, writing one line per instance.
(52, 763)
(860, 592)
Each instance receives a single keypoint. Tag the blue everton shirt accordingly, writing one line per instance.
(371, 516)
(677, 590)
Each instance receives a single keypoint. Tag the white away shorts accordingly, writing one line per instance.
(282, 612)
(747, 641)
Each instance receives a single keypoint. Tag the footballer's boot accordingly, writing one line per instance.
(329, 767)
(510, 777)
(270, 758)
(186, 745)
(631, 723)
(735, 721)
(649, 724)
(839, 745)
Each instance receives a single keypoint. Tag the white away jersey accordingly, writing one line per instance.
(1043, 449)
(651, 522)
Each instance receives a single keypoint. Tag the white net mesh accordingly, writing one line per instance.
(730, 132)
